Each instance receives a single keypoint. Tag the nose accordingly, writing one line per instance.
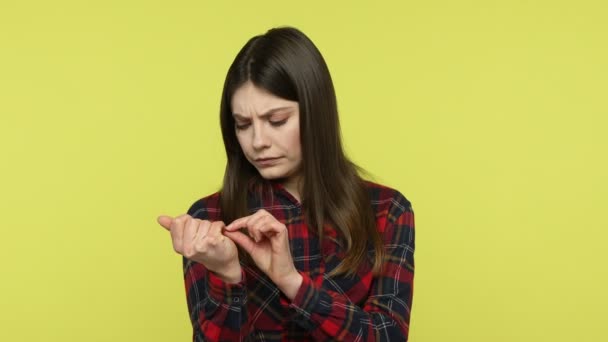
(260, 139)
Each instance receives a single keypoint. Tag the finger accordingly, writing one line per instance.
(270, 228)
(254, 221)
(259, 215)
(214, 234)
(177, 232)
(242, 240)
(189, 234)
(250, 227)
(216, 228)
(259, 227)
(165, 221)
(238, 223)
(243, 222)
(277, 234)
(203, 230)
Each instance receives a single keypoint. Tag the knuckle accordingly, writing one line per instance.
(212, 241)
(192, 252)
(199, 247)
(177, 248)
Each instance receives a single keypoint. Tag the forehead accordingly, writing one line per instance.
(249, 99)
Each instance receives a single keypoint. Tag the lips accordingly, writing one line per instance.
(266, 162)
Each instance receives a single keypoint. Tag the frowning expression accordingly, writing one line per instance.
(268, 130)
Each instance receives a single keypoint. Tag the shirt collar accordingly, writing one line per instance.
(261, 186)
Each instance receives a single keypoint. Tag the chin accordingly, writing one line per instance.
(271, 174)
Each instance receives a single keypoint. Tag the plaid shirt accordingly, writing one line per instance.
(361, 308)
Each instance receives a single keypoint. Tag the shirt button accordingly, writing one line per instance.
(235, 299)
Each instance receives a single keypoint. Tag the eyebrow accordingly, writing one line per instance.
(267, 114)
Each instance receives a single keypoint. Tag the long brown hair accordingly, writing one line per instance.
(286, 63)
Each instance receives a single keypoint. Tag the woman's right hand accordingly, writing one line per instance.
(203, 241)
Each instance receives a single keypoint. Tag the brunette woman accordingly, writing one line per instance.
(296, 245)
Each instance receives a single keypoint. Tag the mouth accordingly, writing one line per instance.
(265, 162)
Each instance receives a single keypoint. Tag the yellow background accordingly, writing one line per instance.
(490, 116)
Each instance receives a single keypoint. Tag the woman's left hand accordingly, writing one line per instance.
(268, 245)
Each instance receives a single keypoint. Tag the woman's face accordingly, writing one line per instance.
(268, 130)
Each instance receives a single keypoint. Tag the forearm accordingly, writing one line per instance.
(291, 285)
(217, 308)
(327, 314)
(231, 274)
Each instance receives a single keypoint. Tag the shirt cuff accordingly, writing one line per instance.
(308, 297)
(221, 291)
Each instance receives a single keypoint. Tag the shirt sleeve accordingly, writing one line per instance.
(385, 315)
(217, 309)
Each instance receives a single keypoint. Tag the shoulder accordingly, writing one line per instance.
(394, 216)
(388, 202)
(206, 208)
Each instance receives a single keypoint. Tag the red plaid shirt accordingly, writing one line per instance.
(361, 308)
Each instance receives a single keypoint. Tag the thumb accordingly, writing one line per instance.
(241, 239)
(165, 221)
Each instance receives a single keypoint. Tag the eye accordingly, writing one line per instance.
(242, 126)
(278, 123)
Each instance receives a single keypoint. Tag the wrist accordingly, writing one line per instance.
(290, 285)
(232, 275)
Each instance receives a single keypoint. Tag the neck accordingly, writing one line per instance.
(293, 186)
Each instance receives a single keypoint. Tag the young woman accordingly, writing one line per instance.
(296, 245)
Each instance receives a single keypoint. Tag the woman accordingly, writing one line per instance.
(296, 245)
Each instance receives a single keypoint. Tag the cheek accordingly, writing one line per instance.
(241, 139)
(294, 142)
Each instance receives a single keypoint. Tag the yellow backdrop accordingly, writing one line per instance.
(490, 116)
